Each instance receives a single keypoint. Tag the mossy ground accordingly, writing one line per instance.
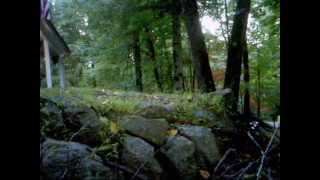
(124, 102)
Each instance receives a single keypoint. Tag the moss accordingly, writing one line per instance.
(121, 102)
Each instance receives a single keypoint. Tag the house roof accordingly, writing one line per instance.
(56, 42)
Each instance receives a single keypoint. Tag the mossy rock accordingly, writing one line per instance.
(76, 121)
(51, 119)
(73, 161)
(205, 142)
(150, 110)
(152, 130)
(180, 152)
(137, 152)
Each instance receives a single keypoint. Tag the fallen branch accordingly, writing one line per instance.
(237, 175)
(228, 168)
(223, 158)
(244, 170)
(76, 133)
(265, 153)
(255, 142)
(125, 169)
(138, 170)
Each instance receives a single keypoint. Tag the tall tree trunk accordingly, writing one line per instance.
(152, 54)
(137, 60)
(190, 77)
(177, 47)
(198, 47)
(193, 80)
(169, 74)
(227, 18)
(235, 55)
(258, 91)
(246, 78)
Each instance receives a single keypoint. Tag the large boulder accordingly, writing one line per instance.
(210, 119)
(64, 101)
(70, 160)
(68, 118)
(151, 110)
(205, 115)
(205, 141)
(152, 130)
(51, 120)
(181, 153)
(82, 120)
(139, 155)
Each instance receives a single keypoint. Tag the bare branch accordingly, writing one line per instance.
(265, 153)
(223, 158)
(255, 142)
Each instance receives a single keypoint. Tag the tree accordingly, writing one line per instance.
(177, 47)
(152, 55)
(198, 47)
(236, 49)
(137, 60)
(246, 78)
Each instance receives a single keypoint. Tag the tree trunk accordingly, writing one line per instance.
(246, 78)
(152, 54)
(193, 80)
(258, 91)
(177, 47)
(227, 18)
(235, 55)
(198, 47)
(169, 74)
(137, 60)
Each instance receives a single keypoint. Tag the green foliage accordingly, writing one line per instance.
(99, 34)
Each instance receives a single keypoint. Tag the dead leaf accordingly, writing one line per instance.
(114, 127)
(205, 174)
(172, 132)
(105, 102)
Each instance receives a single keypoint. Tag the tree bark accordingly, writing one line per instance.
(177, 47)
(137, 60)
(198, 47)
(169, 72)
(227, 18)
(258, 91)
(152, 54)
(235, 55)
(190, 81)
(193, 80)
(246, 78)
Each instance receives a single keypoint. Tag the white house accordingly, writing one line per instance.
(53, 48)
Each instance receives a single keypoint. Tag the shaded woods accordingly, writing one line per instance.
(172, 89)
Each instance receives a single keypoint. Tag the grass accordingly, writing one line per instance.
(126, 102)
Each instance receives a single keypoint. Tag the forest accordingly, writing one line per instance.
(163, 89)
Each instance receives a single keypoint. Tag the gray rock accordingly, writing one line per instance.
(137, 153)
(210, 119)
(205, 141)
(153, 130)
(84, 122)
(180, 152)
(166, 111)
(51, 120)
(66, 118)
(72, 161)
(205, 115)
(64, 101)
